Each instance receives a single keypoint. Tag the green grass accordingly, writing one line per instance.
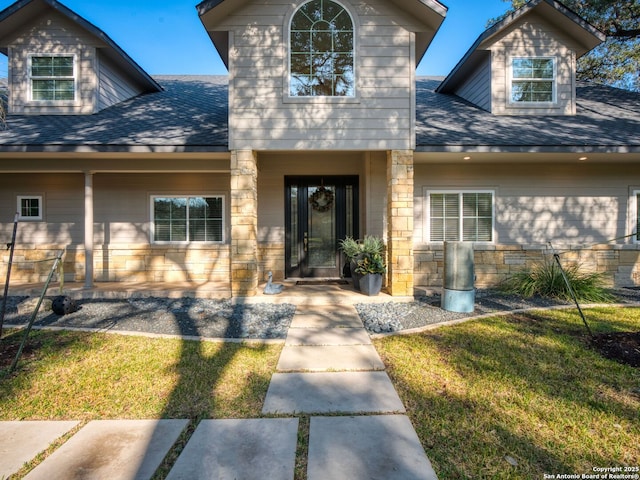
(87, 376)
(521, 387)
(525, 386)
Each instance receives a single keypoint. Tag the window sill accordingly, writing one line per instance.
(322, 100)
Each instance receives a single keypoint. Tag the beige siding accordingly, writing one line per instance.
(533, 37)
(477, 88)
(52, 34)
(263, 117)
(122, 202)
(63, 218)
(536, 204)
(113, 87)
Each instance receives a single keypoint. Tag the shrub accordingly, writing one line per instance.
(545, 279)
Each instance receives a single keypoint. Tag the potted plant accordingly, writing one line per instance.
(372, 268)
(352, 250)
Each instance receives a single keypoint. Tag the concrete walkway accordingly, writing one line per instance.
(328, 366)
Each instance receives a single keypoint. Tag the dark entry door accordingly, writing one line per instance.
(320, 210)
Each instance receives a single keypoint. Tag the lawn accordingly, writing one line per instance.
(87, 376)
(519, 396)
(508, 397)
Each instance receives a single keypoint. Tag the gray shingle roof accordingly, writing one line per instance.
(607, 120)
(189, 115)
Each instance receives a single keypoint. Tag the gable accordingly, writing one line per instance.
(46, 30)
(544, 32)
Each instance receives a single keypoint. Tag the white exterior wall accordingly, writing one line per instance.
(539, 203)
(264, 117)
(532, 37)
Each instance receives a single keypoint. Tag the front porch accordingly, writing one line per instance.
(320, 294)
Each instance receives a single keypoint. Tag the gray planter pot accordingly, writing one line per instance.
(355, 276)
(371, 284)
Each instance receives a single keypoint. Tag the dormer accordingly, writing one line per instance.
(525, 64)
(60, 64)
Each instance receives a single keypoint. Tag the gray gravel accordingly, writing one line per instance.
(394, 317)
(185, 316)
(210, 318)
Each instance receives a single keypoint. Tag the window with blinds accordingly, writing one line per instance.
(188, 219)
(460, 216)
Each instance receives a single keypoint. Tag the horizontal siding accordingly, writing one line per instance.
(477, 88)
(536, 204)
(113, 87)
(533, 36)
(274, 167)
(380, 117)
(63, 206)
(121, 204)
(52, 34)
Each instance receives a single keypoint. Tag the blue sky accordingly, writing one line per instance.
(166, 37)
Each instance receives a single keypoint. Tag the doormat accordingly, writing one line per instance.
(322, 282)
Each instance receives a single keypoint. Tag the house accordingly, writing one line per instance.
(320, 130)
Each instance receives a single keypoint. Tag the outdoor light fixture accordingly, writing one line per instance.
(582, 159)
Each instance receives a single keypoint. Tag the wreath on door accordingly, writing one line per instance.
(322, 199)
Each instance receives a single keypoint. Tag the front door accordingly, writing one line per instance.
(320, 211)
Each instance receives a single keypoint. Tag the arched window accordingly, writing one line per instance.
(321, 49)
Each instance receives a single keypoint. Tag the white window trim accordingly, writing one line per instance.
(19, 199)
(75, 79)
(287, 97)
(459, 191)
(554, 80)
(186, 195)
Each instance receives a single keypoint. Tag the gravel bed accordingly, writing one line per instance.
(211, 318)
(396, 316)
(169, 316)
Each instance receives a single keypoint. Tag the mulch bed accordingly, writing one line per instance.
(623, 347)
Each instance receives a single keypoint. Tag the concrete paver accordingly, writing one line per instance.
(329, 358)
(327, 336)
(331, 392)
(20, 442)
(239, 449)
(382, 446)
(325, 320)
(110, 449)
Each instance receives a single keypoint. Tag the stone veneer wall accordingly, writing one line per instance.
(495, 263)
(270, 259)
(123, 263)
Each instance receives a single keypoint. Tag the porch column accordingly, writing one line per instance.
(400, 222)
(244, 223)
(88, 230)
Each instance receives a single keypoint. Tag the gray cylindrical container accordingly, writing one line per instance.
(458, 293)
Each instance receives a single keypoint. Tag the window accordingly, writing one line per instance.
(532, 80)
(52, 77)
(188, 219)
(29, 207)
(456, 216)
(321, 51)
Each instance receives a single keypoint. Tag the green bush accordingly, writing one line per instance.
(545, 279)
